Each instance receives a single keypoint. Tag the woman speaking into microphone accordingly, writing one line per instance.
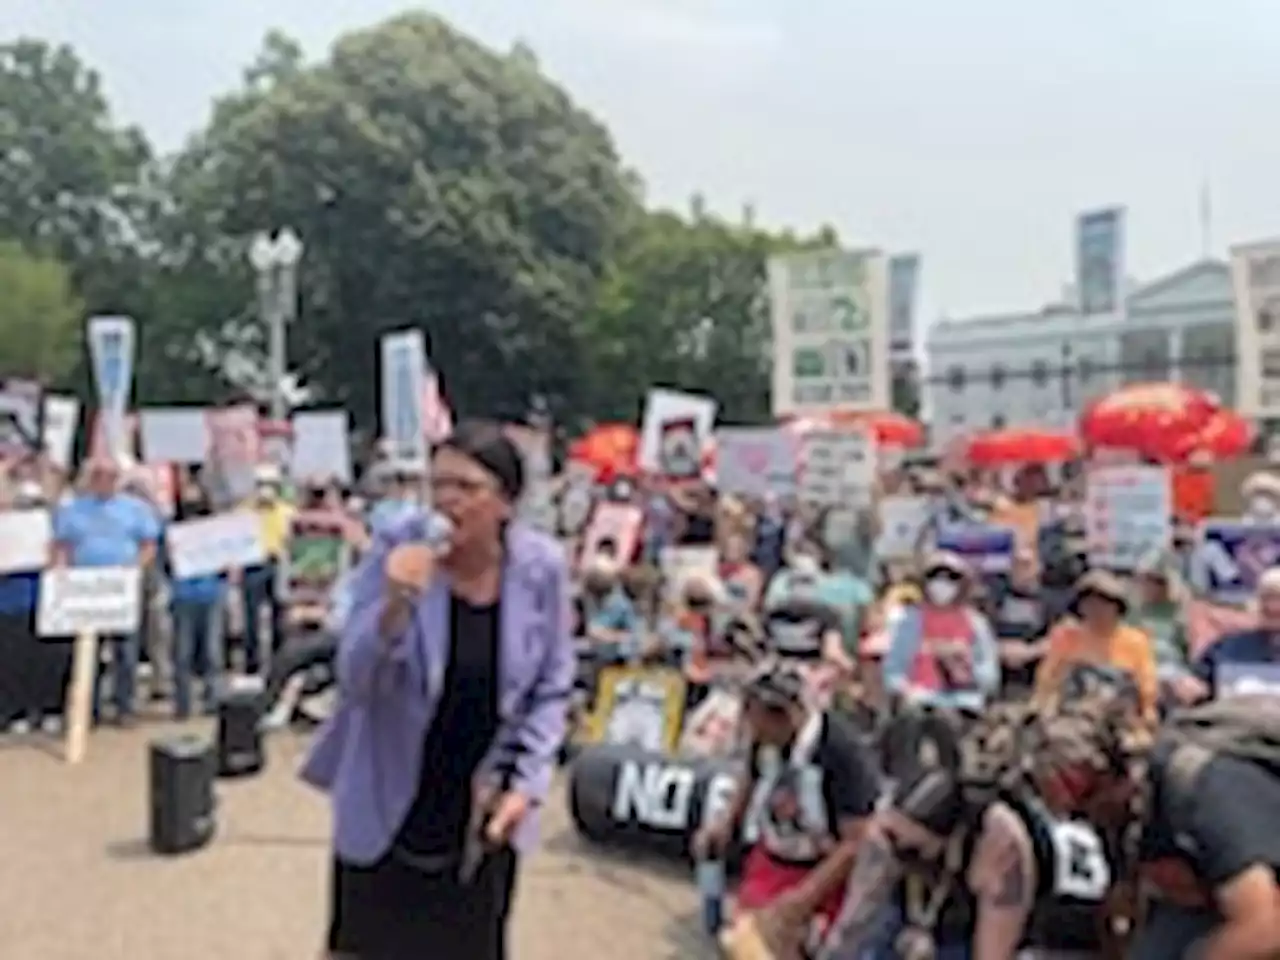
(454, 672)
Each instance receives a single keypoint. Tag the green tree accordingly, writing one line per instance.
(40, 317)
(685, 306)
(73, 183)
(435, 183)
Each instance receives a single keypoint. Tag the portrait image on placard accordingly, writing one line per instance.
(640, 706)
(680, 449)
(318, 555)
(616, 523)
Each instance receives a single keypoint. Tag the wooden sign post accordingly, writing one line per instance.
(79, 704)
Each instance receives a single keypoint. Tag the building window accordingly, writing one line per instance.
(1153, 365)
(997, 377)
(998, 422)
(957, 419)
(1039, 373)
(955, 379)
(1086, 370)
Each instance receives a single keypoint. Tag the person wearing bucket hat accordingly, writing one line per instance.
(810, 787)
(942, 651)
(1093, 645)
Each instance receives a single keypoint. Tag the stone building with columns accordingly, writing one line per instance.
(1042, 368)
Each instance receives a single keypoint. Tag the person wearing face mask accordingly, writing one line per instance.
(942, 651)
(258, 583)
(741, 577)
(399, 499)
(709, 651)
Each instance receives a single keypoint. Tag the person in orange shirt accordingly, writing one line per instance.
(1093, 645)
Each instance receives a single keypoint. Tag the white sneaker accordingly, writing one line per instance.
(20, 727)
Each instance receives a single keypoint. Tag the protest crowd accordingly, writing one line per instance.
(1019, 696)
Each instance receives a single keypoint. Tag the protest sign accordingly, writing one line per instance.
(98, 600)
(318, 556)
(321, 446)
(678, 564)
(838, 467)
(1232, 554)
(1128, 514)
(61, 417)
(903, 521)
(24, 540)
(211, 545)
(1246, 679)
(174, 434)
(674, 432)
(618, 524)
(987, 547)
(756, 461)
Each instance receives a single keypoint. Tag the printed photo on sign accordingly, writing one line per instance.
(756, 461)
(318, 556)
(641, 706)
(680, 455)
(613, 533)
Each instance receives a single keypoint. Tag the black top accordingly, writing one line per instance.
(460, 734)
(699, 530)
(795, 627)
(799, 801)
(1227, 826)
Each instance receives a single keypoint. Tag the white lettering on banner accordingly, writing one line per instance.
(210, 545)
(720, 794)
(102, 600)
(24, 540)
(653, 795)
(1247, 679)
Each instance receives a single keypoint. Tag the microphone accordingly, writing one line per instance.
(437, 529)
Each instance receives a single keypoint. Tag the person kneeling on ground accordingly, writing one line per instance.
(810, 788)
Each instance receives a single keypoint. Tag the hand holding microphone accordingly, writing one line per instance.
(410, 568)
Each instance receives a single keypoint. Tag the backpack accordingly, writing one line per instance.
(1244, 727)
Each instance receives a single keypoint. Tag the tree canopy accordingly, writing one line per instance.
(436, 183)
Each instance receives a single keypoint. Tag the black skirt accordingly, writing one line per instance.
(392, 911)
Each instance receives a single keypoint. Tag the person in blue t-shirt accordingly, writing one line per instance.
(34, 676)
(102, 527)
(197, 606)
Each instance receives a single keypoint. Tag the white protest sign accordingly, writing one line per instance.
(24, 540)
(210, 545)
(1128, 513)
(838, 468)
(675, 428)
(678, 564)
(61, 416)
(100, 600)
(174, 434)
(404, 380)
(321, 448)
(756, 461)
(830, 311)
(111, 349)
(903, 521)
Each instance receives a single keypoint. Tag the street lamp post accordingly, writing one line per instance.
(275, 263)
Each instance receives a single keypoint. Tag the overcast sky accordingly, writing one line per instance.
(971, 131)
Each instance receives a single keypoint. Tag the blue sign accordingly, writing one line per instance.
(988, 547)
(1247, 679)
(1232, 554)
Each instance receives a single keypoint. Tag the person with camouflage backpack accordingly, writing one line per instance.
(1189, 813)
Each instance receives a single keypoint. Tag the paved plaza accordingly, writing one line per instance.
(77, 881)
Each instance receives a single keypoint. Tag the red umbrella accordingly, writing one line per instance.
(1139, 416)
(609, 448)
(1225, 436)
(890, 429)
(1000, 447)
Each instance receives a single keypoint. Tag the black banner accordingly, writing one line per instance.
(620, 794)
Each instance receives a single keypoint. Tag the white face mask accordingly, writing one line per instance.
(941, 591)
(1262, 507)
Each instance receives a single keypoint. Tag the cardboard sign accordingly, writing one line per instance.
(24, 540)
(211, 545)
(989, 548)
(1128, 514)
(100, 600)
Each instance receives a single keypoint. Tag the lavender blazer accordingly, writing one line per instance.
(369, 754)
